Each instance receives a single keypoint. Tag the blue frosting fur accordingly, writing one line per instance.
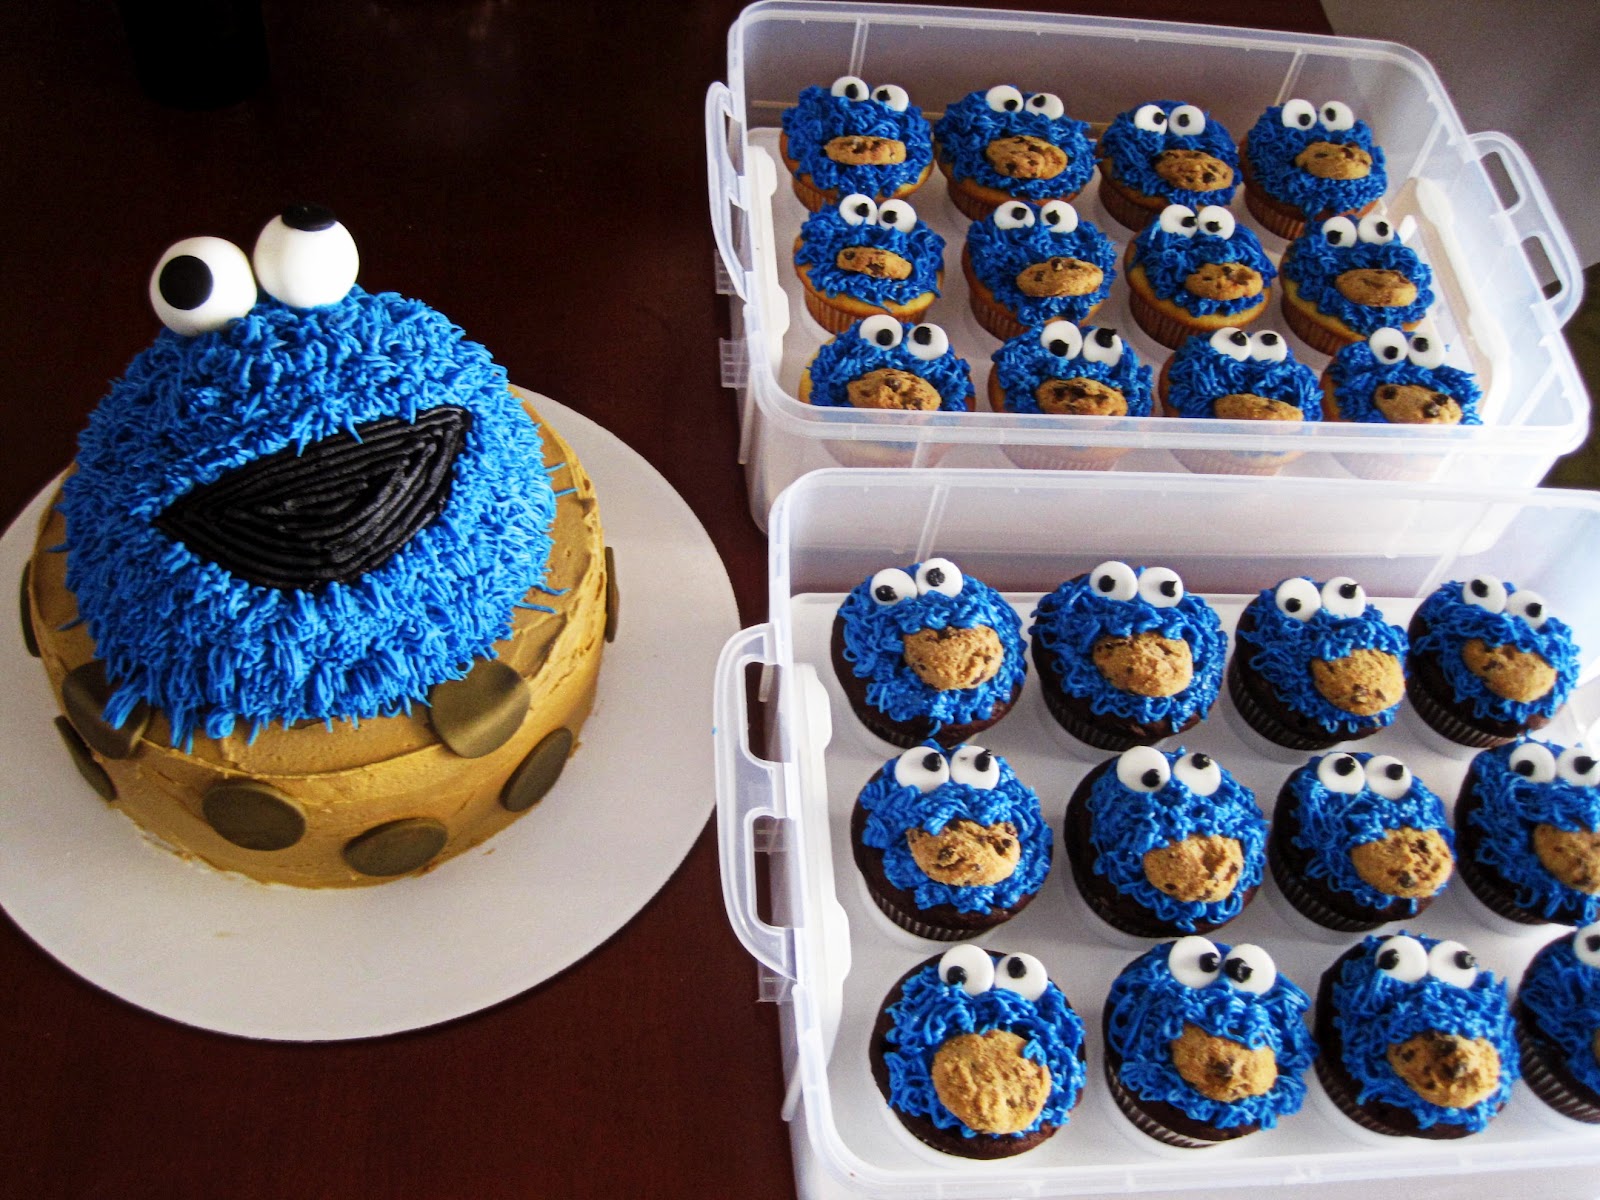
(1315, 264)
(1272, 147)
(1133, 152)
(999, 255)
(1357, 374)
(1024, 364)
(1452, 622)
(969, 125)
(1563, 995)
(826, 232)
(848, 356)
(1198, 376)
(1169, 259)
(819, 116)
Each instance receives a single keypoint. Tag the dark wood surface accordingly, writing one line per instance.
(487, 154)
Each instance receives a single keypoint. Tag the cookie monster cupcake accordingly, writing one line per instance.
(861, 258)
(1558, 1024)
(1316, 664)
(926, 652)
(851, 138)
(1027, 266)
(1162, 153)
(1488, 661)
(879, 363)
(1416, 1039)
(1343, 281)
(1358, 840)
(950, 844)
(1005, 144)
(1302, 163)
(1126, 656)
(1528, 820)
(979, 1054)
(1195, 273)
(1206, 1042)
(1165, 844)
(1395, 379)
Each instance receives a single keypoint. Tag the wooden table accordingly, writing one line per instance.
(536, 171)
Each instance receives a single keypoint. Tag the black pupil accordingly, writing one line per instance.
(956, 975)
(1329, 113)
(309, 218)
(1106, 583)
(1182, 122)
(935, 577)
(1213, 226)
(1016, 968)
(1291, 605)
(1169, 587)
(1392, 353)
(852, 91)
(1188, 222)
(1535, 609)
(1305, 120)
(1335, 236)
(1239, 970)
(1209, 961)
(1011, 106)
(1381, 229)
(1052, 218)
(1158, 119)
(1389, 959)
(1344, 765)
(1269, 339)
(1480, 589)
(862, 210)
(1420, 345)
(922, 335)
(1464, 960)
(1106, 337)
(1202, 761)
(1592, 942)
(1240, 338)
(1151, 778)
(884, 592)
(185, 282)
(885, 338)
(1347, 590)
(1019, 214)
(1059, 347)
(1524, 768)
(1583, 764)
(1395, 771)
(983, 762)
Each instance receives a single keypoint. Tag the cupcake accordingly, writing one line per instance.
(1027, 266)
(878, 363)
(1344, 281)
(1308, 164)
(854, 139)
(1528, 821)
(862, 258)
(926, 652)
(1395, 379)
(1164, 153)
(979, 1054)
(1005, 144)
(1416, 1040)
(1488, 661)
(1195, 273)
(1358, 840)
(1164, 844)
(950, 845)
(1558, 1024)
(1316, 664)
(1205, 1042)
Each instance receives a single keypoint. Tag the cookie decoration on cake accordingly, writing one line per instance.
(1126, 656)
(1206, 1042)
(1358, 840)
(1315, 664)
(851, 138)
(1310, 163)
(879, 363)
(1163, 844)
(1196, 272)
(859, 258)
(1397, 378)
(1558, 1024)
(927, 652)
(1005, 144)
(979, 1054)
(1165, 152)
(1027, 265)
(1416, 1038)
(950, 844)
(1344, 280)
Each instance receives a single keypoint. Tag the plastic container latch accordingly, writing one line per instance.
(735, 363)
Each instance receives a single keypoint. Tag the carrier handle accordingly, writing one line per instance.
(1533, 216)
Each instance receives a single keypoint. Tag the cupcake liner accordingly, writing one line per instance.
(812, 197)
(1305, 327)
(1089, 734)
(1062, 458)
(1143, 1121)
(1225, 462)
(1341, 1090)
(1169, 332)
(1264, 722)
(1447, 724)
(1537, 1074)
(1491, 895)
(1282, 219)
(1120, 205)
(913, 924)
(834, 320)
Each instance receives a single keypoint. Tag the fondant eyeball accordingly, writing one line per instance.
(892, 585)
(1178, 219)
(1115, 580)
(1199, 773)
(1160, 587)
(1341, 774)
(305, 258)
(1268, 346)
(1375, 230)
(1530, 606)
(1403, 958)
(939, 575)
(1388, 776)
(1216, 221)
(892, 96)
(897, 215)
(1586, 945)
(857, 209)
(1059, 216)
(1047, 104)
(1003, 98)
(1578, 767)
(1151, 118)
(1194, 961)
(921, 768)
(1339, 231)
(200, 284)
(1023, 974)
(1298, 114)
(1186, 119)
(1336, 116)
(975, 767)
(1062, 338)
(1143, 769)
(1451, 962)
(1485, 592)
(1427, 351)
(850, 87)
(1344, 597)
(1103, 346)
(1249, 968)
(967, 967)
(1013, 216)
(1298, 598)
(927, 342)
(1533, 761)
(882, 330)
(1235, 343)
(1388, 345)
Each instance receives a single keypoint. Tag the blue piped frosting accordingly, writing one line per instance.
(1315, 264)
(1357, 373)
(819, 116)
(929, 1012)
(207, 648)
(1133, 153)
(998, 256)
(1198, 376)
(848, 356)
(1169, 259)
(1024, 364)
(1273, 146)
(1147, 1009)
(1562, 995)
(1373, 1011)
(969, 125)
(894, 808)
(826, 232)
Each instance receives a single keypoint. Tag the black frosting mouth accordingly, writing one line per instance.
(342, 507)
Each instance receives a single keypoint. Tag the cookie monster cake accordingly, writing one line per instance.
(321, 600)
(861, 258)
(1343, 281)
(1399, 379)
(1195, 273)
(1302, 163)
(851, 138)
(1005, 144)
(1027, 266)
(1162, 153)
(1558, 1024)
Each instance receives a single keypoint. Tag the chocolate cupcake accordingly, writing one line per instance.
(853, 138)
(1558, 1024)
(979, 1054)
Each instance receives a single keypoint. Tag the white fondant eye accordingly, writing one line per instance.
(1578, 767)
(1586, 945)
(1114, 580)
(927, 342)
(1533, 761)
(200, 284)
(1023, 974)
(1160, 586)
(1402, 957)
(1486, 592)
(1143, 769)
(1216, 221)
(967, 967)
(1062, 338)
(1530, 606)
(857, 209)
(892, 585)
(1298, 598)
(1427, 351)
(1341, 773)
(1268, 346)
(1339, 231)
(1336, 116)
(1388, 345)
(1059, 217)
(921, 768)
(882, 330)
(975, 767)
(1178, 219)
(1013, 216)
(1194, 961)
(897, 215)
(1003, 98)
(892, 96)
(1388, 776)
(1249, 968)
(1344, 597)
(1235, 343)
(1199, 773)
(1451, 962)
(1186, 119)
(1103, 346)
(305, 258)
(1375, 230)
(1298, 114)
(939, 575)
(1047, 103)
(850, 87)
(1151, 118)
